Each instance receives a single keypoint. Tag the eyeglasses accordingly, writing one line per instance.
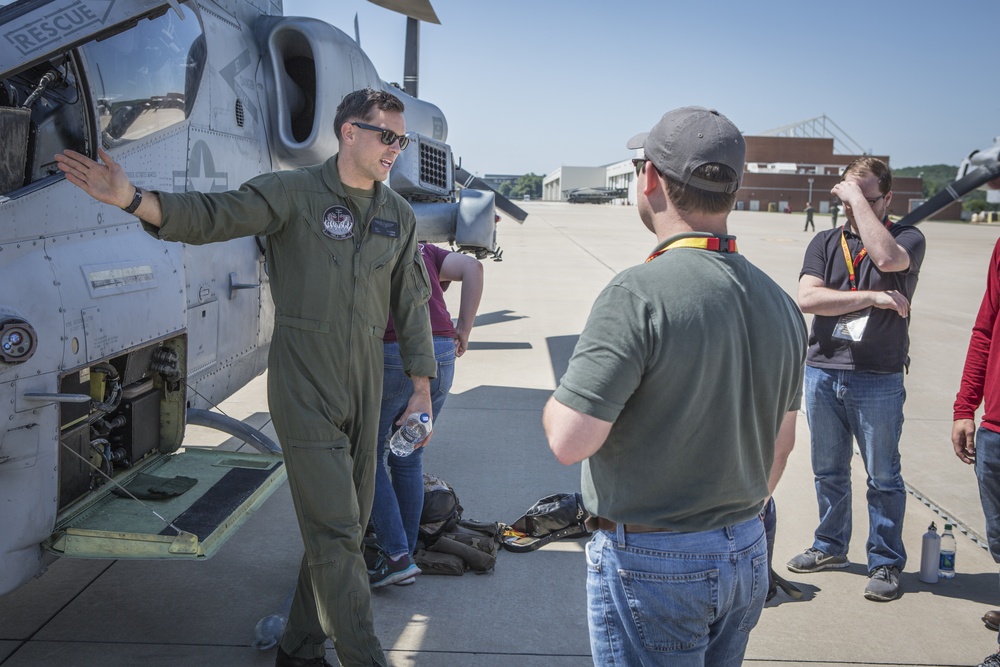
(639, 163)
(388, 136)
(872, 202)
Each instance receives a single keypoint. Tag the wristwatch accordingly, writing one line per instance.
(136, 200)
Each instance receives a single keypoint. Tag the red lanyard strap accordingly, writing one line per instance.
(701, 242)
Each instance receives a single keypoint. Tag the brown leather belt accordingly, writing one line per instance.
(611, 526)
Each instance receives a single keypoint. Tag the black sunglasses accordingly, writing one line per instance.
(639, 163)
(388, 136)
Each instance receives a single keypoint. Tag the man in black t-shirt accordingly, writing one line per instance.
(858, 282)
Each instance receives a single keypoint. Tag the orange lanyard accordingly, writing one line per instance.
(702, 242)
(852, 265)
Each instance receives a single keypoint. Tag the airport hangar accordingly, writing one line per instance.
(782, 173)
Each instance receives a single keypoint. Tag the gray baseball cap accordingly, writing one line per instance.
(690, 137)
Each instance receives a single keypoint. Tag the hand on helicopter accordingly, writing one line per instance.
(105, 182)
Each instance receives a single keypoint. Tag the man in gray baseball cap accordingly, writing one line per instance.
(688, 138)
(681, 380)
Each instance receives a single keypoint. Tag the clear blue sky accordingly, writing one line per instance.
(529, 86)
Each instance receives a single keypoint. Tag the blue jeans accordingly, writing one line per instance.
(842, 405)
(678, 599)
(399, 502)
(988, 474)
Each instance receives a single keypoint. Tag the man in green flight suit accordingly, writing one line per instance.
(342, 254)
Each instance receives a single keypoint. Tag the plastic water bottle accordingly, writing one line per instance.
(946, 569)
(414, 429)
(930, 556)
(269, 631)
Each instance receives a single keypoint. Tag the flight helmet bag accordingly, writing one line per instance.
(551, 518)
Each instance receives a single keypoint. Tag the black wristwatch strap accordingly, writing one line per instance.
(136, 200)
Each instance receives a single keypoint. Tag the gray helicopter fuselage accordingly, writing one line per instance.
(108, 335)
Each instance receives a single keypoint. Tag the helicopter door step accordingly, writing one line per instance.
(230, 487)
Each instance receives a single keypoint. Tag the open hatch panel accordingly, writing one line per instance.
(230, 487)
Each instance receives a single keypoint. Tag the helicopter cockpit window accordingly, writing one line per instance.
(141, 80)
(145, 79)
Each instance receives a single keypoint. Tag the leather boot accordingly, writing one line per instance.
(285, 660)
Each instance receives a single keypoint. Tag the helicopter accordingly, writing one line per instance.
(111, 341)
(980, 169)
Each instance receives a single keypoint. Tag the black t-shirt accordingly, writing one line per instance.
(884, 347)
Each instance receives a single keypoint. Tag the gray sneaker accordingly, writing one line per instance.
(883, 584)
(991, 661)
(814, 560)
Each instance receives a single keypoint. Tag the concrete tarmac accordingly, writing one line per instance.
(489, 445)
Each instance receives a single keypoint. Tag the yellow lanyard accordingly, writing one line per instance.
(853, 265)
(702, 242)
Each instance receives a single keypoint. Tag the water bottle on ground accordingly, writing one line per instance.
(414, 430)
(946, 569)
(930, 556)
(269, 630)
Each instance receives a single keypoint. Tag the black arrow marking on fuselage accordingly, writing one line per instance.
(229, 73)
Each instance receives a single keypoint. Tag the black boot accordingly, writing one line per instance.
(285, 660)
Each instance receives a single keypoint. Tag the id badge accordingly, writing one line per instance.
(851, 327)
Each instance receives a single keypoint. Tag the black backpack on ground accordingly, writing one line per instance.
(449, 544)
(441, 510)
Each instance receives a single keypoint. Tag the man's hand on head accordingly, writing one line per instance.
(849, 192)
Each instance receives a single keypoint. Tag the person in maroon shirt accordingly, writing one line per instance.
(981, 380)
(399, 481)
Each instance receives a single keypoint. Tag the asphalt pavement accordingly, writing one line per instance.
(488, 443)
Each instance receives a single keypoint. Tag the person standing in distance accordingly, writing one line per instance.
(858, 282)
(687, 367)
(342, 253)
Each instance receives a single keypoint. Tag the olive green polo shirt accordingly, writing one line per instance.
(695, 357)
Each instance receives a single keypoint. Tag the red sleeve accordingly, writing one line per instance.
(438, 254)
(970, 393)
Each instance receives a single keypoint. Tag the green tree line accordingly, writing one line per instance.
(938, 176)
(526, 184)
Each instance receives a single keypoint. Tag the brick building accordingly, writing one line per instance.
(785, 172)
